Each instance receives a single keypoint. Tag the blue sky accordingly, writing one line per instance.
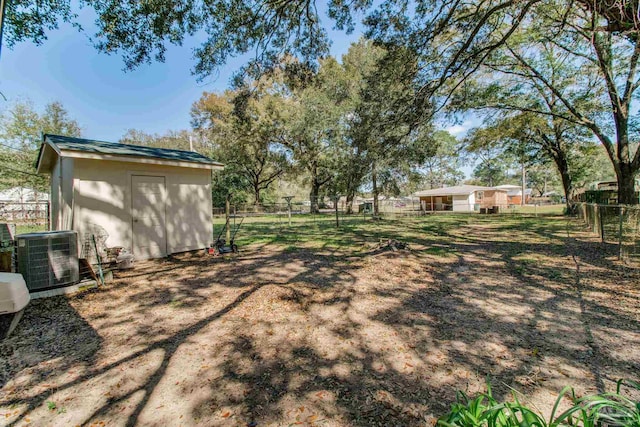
(107, 101)
(104, 99)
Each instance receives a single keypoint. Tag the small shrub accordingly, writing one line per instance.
(600, 410)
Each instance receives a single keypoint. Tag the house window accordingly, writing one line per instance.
(480, 195)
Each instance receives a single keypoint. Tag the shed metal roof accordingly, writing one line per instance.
(66, 143)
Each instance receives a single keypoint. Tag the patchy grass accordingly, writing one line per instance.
(30, 228)
(313, 325)
(538, 210)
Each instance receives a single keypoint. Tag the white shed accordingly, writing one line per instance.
(153, 201)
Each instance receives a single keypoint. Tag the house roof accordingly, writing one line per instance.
(513, 190)
(81, 147)
(458, 190)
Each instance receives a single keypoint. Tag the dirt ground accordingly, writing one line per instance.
(340, 334)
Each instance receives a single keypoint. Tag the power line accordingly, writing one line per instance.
(19, 171)
(13, 148)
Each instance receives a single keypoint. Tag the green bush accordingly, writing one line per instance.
(600, 410)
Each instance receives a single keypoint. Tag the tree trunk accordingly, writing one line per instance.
(626, 185)
(349, 206)
(567, 182)
(256, 195)
(432, 180)
(374, 184)
(315, 190)
(313, 196)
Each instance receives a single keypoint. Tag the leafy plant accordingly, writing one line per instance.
(605, 409)
(485, 410)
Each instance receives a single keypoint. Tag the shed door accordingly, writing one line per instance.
(148, 198)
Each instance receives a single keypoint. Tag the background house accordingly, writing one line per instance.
(152, 201)
(514, 193)
(461, 198)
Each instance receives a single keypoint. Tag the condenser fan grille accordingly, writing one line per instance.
(48, 260)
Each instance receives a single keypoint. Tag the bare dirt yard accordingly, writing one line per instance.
(313, 326)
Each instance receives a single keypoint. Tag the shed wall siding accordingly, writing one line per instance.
(55, 196)
(66, 210)
(103, 199)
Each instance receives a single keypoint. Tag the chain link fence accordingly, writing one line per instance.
(386, 207)
(617, 225)
(277, 215)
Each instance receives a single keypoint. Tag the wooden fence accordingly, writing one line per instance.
(617, 225)
(24, 213)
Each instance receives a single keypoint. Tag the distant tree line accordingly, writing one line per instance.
(555, 82)
(21, 130)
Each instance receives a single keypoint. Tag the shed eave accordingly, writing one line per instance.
(46, 157)
(144, 160)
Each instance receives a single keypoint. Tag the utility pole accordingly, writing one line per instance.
(227, 218)
(524, 185)
(3, 10)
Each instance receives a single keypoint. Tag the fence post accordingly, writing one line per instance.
(601, 221)
(621, 215)
(227, 213)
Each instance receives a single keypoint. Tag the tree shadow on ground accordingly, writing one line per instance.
(344, 335)
(50, 330)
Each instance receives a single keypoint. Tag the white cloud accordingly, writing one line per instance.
(456, 129)
(461, 129)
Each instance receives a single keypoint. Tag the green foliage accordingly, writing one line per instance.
(29, 20)
(336, 128)
(543, 177)
(442, 166)
(388, 136)
(537, 141)
(228, 183)
(177, 140)
(612, 409)
(570, 67)
(437, 30)
(242, 130)
(21, 129)
(493, 161)
(141, 31)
